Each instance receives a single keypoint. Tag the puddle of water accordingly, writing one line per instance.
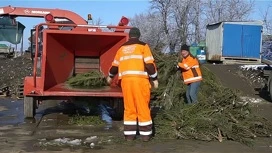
(3, 108)
(11, 112)
(57, 144)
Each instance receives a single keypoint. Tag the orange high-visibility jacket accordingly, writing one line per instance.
(190, 69)
(134, 58)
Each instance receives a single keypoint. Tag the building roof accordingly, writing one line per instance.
(237, 22)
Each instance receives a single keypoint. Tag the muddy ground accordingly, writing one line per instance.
(246, 81)
(50, 128)
(14, 70)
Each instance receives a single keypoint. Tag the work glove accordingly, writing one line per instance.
(155, 84)
(109, 80)
(177, 68)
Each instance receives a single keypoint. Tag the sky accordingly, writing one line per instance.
(110, 11)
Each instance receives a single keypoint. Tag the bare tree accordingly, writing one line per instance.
(184, 21)
(151, 29)
(163, 8)
(197, 9)
(187, 14)
(97, 21)
(267, 19)
(228, 10)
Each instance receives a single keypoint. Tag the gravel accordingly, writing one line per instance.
(14, 70)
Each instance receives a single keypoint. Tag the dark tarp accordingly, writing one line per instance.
(11, 31)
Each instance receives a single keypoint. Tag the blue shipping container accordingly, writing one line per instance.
(234, 40)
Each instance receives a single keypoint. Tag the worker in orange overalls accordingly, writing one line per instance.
(191, 74)
(135, 65)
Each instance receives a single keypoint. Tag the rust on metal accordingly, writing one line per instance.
(216, 57)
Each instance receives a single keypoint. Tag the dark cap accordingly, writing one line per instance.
(134, 32)
(184, 47)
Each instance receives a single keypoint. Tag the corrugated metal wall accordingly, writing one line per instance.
(252, 41)
(232, 42)
(241, 40)
(214, 41)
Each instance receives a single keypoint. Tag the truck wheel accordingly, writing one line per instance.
(29, 107)
(269, 85)
(118, 106)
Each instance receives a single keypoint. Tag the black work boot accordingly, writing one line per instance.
(129, 137)
(146, 138)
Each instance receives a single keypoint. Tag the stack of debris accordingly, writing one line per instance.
(14, 70)
(220, 113)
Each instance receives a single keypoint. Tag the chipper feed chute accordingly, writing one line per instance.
(68, 46)
(66, 53)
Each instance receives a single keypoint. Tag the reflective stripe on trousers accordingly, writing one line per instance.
(136, 93)
(145, 128)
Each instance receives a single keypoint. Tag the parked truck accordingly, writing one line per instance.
(266, 67)
(65, 51)
(267, 74)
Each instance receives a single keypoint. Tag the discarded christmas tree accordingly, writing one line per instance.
(92, 79)
(219, 115)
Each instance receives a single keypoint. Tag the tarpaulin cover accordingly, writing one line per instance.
(3, 46)
(10, 31)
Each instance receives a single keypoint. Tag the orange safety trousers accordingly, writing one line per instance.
(136, 93)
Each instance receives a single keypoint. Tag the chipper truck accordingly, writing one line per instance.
(69, 46)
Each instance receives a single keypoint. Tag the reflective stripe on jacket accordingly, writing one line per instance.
(190, 69)
(134, 58)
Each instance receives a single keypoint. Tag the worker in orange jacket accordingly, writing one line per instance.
(135, 65)
(191, 74)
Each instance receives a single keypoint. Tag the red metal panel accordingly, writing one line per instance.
(58, 63)
(65, 90)
(32, 12)
(87, 59)
(29, 86)
(86, 66)
(84, 94)
(107, 58)
(77, 71)
(60, 48)
(86, 53)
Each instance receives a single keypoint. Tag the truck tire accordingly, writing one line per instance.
(118, 106)
(270, 89)
(269, 85)
(29, 107)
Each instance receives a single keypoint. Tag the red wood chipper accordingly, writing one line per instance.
(69, 46)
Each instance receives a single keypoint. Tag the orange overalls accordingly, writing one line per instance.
(135, 65)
